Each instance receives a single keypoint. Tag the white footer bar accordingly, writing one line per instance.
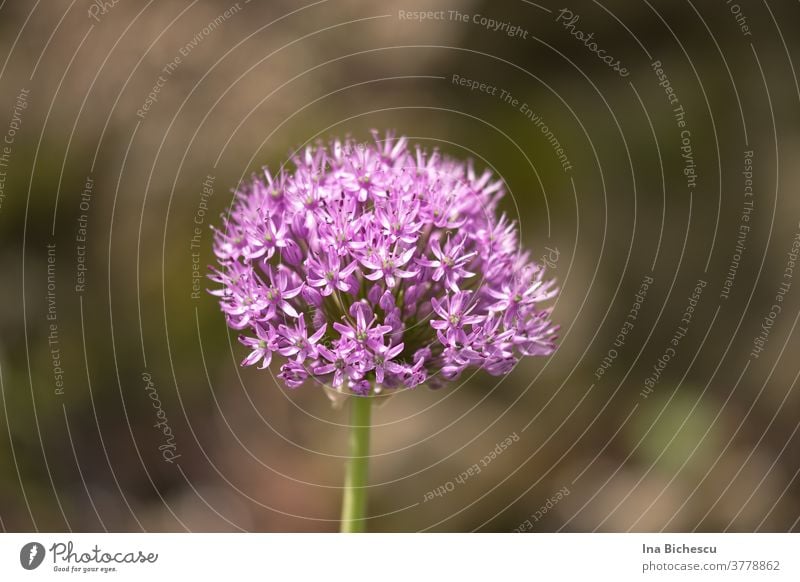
(401, 557)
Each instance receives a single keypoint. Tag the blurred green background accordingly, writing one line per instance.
(713, 446)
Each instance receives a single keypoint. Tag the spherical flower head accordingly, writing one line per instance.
(378, 266)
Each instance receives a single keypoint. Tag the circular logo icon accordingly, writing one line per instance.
(31, 555)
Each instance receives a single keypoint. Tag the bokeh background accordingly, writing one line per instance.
(712, 447)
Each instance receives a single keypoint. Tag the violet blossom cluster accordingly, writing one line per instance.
(376, 266)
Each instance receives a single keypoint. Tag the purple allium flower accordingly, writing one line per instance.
(379, 266)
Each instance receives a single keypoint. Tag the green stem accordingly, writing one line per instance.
(354, 503)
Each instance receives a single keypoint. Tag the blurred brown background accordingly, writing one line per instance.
(713, 446)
